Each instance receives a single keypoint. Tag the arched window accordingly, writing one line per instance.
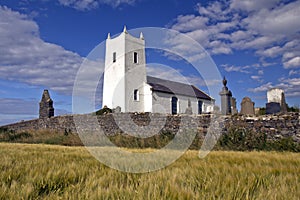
(200, 103)
(136, 95)
(174, 104)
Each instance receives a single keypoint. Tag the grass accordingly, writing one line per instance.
(42, 171)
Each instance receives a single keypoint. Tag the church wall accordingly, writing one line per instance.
(162, 103)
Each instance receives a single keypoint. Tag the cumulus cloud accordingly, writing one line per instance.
(232, 68)
(270, 28)
(291, 87)
(294, 62)
(253, 5)
(263, 88)
(25, 57)
(83, 5)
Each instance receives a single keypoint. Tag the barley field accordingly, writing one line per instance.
(42, 171)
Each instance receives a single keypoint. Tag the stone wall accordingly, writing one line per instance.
(275, 126)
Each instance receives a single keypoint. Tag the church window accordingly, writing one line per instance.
(136, 95)
(135, 57)
(200, 103)
(114, 57)
(174, 104)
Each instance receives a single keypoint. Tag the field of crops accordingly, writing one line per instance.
(56, 172)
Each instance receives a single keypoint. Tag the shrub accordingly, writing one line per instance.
(104, 110)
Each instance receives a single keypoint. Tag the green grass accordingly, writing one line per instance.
(56, 172)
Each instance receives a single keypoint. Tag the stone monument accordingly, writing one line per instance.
(225, 99)
(247, 106)
(283, 105)
(46, 106)
(276, 101)
(233, 106)
(189, 109)
(272, 108)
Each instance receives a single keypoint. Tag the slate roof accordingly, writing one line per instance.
(172, 87)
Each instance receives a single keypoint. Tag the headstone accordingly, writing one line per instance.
(247, 106)
(225, 99)
(117, 109)
(272, 108)
(46, 106)
(283, 105)
(189, 109)
(274, 95)
(233, 106)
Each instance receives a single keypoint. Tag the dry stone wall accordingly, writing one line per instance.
(275, 126)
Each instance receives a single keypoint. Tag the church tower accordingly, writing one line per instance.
(46, 106)
(125, 73)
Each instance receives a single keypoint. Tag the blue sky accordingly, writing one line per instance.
(254, 43)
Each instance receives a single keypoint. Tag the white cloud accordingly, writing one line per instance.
(232, 68)
(291, 87)
(190, 22)
(83, 5)
(294, 72)
(292, 63)
(280, 20)
(270, 28)
(263, 88)
(26, 58)
(253, 5)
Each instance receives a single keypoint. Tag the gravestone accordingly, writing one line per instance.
(274, 95)
(117, 110)
(233, 106)
(46, 106)
(283, 105)
(189, 110)
(247, 106)
(272, 108)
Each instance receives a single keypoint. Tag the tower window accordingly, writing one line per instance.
(136, 95)
(135, 57)
(114, 56)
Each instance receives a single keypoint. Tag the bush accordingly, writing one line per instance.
(104, 110)
(242, 139)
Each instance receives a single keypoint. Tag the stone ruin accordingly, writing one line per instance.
(46, 106)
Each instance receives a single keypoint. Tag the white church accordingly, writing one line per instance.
(126, 84)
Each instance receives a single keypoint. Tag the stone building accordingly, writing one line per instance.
(247, 106)
(127, 86)
(46, 106)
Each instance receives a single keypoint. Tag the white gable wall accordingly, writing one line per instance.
(114, 82)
